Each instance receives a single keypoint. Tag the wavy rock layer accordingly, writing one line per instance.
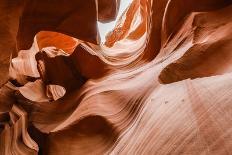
(161, 83)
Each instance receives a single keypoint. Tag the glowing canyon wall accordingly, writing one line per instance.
(160, 84)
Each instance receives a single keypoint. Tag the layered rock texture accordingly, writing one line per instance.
(161, 84)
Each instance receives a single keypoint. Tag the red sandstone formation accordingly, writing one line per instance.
(161, 83)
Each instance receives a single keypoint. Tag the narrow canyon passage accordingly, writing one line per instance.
(145, 77)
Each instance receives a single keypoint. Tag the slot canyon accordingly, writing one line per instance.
(159, 82)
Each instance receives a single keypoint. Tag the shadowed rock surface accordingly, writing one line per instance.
(160, 84)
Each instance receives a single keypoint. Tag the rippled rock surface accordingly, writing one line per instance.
(160, 84)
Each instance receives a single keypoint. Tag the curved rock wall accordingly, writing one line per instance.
(161, 83)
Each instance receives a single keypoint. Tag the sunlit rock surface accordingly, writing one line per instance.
(161, 83)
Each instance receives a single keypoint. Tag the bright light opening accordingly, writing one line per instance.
(104, 28)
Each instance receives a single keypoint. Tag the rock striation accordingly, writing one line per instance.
(160, 84)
